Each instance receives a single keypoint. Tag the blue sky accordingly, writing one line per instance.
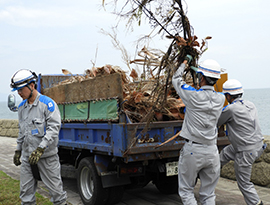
(46, 36)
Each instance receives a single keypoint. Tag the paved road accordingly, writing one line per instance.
(227, 192)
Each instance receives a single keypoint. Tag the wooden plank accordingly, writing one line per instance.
(106, 86)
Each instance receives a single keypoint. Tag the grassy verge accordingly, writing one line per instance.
(10, 190)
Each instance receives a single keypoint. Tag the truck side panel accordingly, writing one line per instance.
(90, 136)
(122, 140)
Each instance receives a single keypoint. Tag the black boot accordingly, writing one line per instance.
(260, 202)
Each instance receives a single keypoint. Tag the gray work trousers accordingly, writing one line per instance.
(50, 173)
(197, 160)
(243, 166)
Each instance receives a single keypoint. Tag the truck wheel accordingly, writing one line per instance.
(89, 184)
(167, 185)
(115, 195)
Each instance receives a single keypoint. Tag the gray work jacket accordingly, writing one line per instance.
(203, 108)
(242, 125)
(39, 125)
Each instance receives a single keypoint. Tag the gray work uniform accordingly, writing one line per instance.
(199, 156)
(39, 125)
(246, 145)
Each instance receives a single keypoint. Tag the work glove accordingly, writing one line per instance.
(194, 68)
(188, 58)
(16, 157)
(35, 156)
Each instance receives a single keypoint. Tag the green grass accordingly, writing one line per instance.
(10, 191)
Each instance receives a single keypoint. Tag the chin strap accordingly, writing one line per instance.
(199, 75)
(31, 94)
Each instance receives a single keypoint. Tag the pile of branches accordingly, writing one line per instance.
(150, 96)
(169, 18)
(136, 93)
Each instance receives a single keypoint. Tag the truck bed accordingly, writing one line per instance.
(116, 137)
(123, 140)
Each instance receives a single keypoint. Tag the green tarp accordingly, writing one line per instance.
(90, 110)
(106, 109)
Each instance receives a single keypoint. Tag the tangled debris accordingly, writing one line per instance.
(137, 100)
(150, 96)
(169, 18)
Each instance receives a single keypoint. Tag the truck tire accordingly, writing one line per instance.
(89, 184)
(115, 195)
(167, 185)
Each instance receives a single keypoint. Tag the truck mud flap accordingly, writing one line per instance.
(112, 179)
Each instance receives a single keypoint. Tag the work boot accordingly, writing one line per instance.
(260, 203)
(64, 203)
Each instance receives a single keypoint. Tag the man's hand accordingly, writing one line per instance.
(188, 58)
(35, 156)
(16, 157)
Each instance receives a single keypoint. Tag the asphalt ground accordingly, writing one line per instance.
(227, 192)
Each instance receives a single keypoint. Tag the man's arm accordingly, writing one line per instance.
(20, 138)
(53, 124)
(183, 90)
(225, 116)
(18, 151)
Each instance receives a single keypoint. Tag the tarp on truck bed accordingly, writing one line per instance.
(92, 110)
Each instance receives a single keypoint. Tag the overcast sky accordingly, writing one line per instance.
(46, 36)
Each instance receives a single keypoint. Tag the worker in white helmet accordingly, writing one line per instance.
(36, 152)
(199, 156)
(246, 138)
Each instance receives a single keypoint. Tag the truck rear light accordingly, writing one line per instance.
(131, 170)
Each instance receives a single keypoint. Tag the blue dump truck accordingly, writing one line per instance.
(108, 152)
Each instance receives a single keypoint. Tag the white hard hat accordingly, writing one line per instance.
(209, 68)
(22, 78)
(232, 87)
